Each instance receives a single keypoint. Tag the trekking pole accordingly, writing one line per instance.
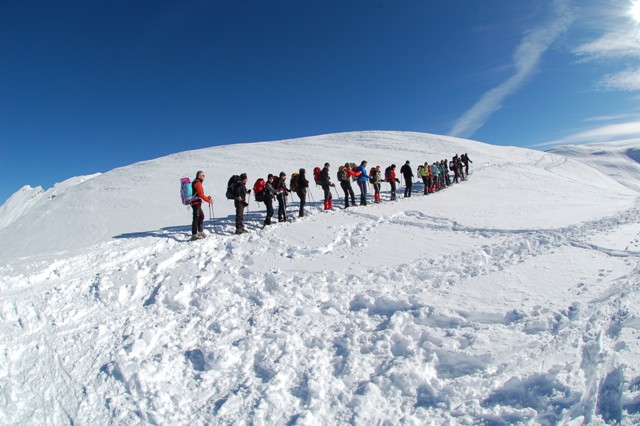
(337, 195)
(284, 201)
(211, 218)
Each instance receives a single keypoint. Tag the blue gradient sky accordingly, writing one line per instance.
(87, 86)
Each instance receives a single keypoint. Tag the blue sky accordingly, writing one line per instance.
(87, 86)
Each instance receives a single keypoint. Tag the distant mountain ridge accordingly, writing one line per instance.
(620, 160)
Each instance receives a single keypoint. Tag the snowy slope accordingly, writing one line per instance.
(619, 160)
(509, 298)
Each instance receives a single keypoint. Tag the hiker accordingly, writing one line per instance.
(363, 178)
(376, 178)
(407, 173)
(269, 194)
(239, 199)
(197, 231)
(325, 181)
(435, 171)
(460, 167)
(301, 190)
(390, 176)
(447, 179)
(345, 173)
(453, 165)
(280, 185)
(424, 174)
(466, 160)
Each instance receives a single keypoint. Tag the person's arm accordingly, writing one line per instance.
(200, 192)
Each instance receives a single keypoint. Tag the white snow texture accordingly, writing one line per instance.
(509, 298)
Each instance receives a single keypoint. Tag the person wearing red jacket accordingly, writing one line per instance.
(197, 231)
(390, 176)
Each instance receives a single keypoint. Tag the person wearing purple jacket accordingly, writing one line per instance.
(363, 178)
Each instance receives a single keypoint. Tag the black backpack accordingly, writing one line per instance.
(231, 185)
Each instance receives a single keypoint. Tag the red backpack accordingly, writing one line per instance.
(258, 189)
(316, 174)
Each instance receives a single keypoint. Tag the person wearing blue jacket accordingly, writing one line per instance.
(363, 178)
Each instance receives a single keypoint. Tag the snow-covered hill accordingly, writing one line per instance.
(509, 298)
(618, 160)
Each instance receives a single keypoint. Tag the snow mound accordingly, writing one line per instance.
(509, 298)
(144, 197)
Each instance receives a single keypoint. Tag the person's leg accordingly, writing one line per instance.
(196, 219)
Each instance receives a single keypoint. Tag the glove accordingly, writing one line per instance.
(245, 204)
(398, 180)
(248, 191)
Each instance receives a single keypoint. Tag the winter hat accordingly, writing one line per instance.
(270, 176)
(282, 174)
(408, 162)
(243, 176)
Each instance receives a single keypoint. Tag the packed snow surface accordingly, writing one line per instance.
(509, 298)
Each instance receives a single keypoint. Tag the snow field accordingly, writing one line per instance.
(447, 309)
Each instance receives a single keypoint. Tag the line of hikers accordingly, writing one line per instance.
(435, 177)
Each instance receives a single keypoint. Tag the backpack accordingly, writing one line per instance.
(258, 189)
(342, 174)
(293, 183)
(231, 186)
(387, 174)
(316, 174)
(186, 191)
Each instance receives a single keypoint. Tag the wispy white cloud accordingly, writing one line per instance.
(608, 133)
(618, 45)
(628, 80)
(610, 117)
(526, 58)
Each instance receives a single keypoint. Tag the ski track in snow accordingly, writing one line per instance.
(392, 349)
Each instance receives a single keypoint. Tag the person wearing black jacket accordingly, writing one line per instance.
(240, 196)
(325, 182)
(269, 193)
(407, 173)
(301, 191)
(280, 185)
(466, 160)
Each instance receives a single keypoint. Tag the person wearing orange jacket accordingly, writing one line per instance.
(197, 232)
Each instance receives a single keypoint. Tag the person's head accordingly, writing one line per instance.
(393, 166)
(364, 163)
(243, 177)
(200, 175)
(408, 162)
(327, 165)
(302, 171)
(377, 167)
(270, 177)
(283, 175)
(346, 165)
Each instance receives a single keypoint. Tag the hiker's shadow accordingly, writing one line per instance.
(182, 233)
